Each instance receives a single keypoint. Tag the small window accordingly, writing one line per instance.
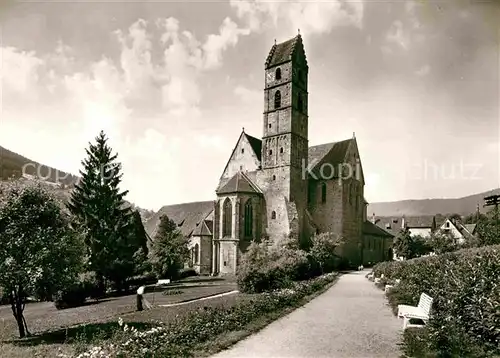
(241, 167)
(274, 177)
(277, 99)
(323, 193)
(278, 74)
(281, 150)
(242, 150)
(273, 215)
(269, 125)
(225, 263)
(271, 152)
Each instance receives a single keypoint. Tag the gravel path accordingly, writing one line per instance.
(351, 320)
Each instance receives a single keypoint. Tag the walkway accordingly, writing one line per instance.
(350, 320)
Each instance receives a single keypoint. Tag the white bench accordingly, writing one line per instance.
(422, 311)
(163, 282)
(388, 287)
(377, 280)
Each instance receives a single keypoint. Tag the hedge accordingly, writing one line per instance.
(465, 315)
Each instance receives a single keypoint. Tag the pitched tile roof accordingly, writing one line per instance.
(283, 52)
(203, 228)
(372, 229)
(239, 183)
(423, 221)
(256, 145)
(187, 214)
(333, 153)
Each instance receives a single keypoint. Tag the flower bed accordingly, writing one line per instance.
(181, 337)
(465, 315)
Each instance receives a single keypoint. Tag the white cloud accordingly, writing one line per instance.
(52, 108)
(310, 17)
(248, 95)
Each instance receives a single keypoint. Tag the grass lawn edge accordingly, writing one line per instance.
(228, 339)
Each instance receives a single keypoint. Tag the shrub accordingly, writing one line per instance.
(72, 296)
(465, 318)
(90, 285)
(265, 269)
(187, 272)
(149, 278)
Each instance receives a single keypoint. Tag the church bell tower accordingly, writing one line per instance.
(284, 141)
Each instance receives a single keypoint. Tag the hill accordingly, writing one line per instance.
(13, 165)
(462, 206)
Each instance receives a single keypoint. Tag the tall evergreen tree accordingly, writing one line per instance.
(102, 214)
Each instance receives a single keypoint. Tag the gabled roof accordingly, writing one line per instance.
(333, 153)
(203, 228)
(470, 228)
(187, 214)
(239, 183)
(283, 52)
(423, 221)
(256, 145)
(371, 229)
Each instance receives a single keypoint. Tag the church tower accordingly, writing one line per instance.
(284, 141)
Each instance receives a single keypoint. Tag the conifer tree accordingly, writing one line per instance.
(170, 249)
(102, 214)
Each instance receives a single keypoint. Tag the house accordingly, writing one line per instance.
(460, 232)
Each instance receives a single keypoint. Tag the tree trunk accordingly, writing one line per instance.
(17, 305)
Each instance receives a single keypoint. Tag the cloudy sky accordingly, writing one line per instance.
(173, 83)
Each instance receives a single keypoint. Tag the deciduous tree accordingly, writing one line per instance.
(39, 252)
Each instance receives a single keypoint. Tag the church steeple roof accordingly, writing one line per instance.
(283, 52)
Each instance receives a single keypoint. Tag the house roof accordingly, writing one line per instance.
(186, 215)
(239, 183)
(424, 221)
(372, 229)
(470, 228)
(203, 228)
(256, 145)
(283, 52)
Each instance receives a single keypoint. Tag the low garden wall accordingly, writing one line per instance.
(465, 314)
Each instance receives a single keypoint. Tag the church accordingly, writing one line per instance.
(279, 186)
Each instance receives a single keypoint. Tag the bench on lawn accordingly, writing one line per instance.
(421, 312)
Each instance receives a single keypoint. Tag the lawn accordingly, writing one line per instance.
(53, 327)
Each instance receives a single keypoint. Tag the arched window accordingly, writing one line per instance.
(273, 215)
(277, 99)
(300, 104)
(274, 177)
(281, 150)
(278, 74)
(248, 220)
(227, 218)
(323, 193)
(196, 253)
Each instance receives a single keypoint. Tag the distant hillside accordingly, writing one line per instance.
(11, 166)
(462, 206)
